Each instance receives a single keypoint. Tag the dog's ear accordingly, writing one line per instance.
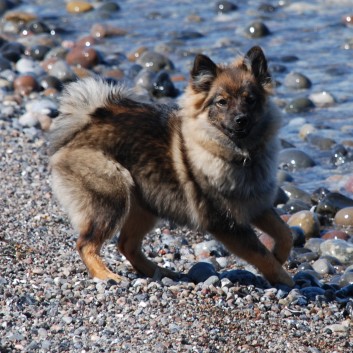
(203, 73)
(257, 64)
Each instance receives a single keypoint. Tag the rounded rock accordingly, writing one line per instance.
(335, 234)
(307, 221)
(223, 7)
(299, 105)
(323, 267)
(78, 7)
(257, 30)
(344, 217)
(297, 80)
(323, 143)
(339, 249)
(154, 61)
(83, 57)
(322, 99)
(332, 203)
(294, 159)
(38, 52)
(347, 278)
(25, 84)
(201, 271)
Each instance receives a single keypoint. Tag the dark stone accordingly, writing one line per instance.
(306, 279)
(244, 277)
(294, 206)
(163, 86)
(5, 64)
(201, 271)
(257, 30)
(38, 52)
(281, 197)
(186, 35)
(332, 203)
(298, 236)
(323, 143)
(294, 193)
(294, 159)
(267, 8)
(340, 155)
(311, 293)
(319, 194)
(299, 105)
(38, 27)
(223, 7)
(109, 6)
(49, 81)
(345, 292)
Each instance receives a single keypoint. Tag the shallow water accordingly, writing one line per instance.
(312, 32)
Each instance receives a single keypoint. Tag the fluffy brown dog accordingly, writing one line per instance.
(119, 164)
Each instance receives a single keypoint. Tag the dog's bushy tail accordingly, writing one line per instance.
(79, 100)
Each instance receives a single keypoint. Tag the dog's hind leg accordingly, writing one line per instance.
(270, 223)
(244, 243)
(95, 191)
(137, 224)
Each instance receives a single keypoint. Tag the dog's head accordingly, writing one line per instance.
(231, 98)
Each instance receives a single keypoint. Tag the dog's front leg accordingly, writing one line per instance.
(243, 242)
(270, 223)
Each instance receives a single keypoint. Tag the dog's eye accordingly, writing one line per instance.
(222, 102)
(251, 100)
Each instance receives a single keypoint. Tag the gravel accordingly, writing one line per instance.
(48, 303)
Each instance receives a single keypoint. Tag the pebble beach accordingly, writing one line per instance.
(48, 302)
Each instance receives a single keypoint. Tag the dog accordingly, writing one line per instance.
(119, 164)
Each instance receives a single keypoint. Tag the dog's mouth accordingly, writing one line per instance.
(236, 132)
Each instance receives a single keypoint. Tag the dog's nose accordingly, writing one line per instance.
(240, 121)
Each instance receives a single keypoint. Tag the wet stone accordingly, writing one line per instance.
(299, 105)
(154, 61)
(294, 206)
(100, 30)
(323, 143)
(78, 6)
(339, 249)
(297, 80)
(306, 130)
(38, 52)
(37, 27)
(344, 217)
(257, 30)
(62, 71)
(313, 244)
(319, 194)
(322, 99)
(294, 159)
(340, 155)
(323, 267)
(223, 7)
(307, 221)
(163, 86)
(335, 234)
(25, 84)
(347, 278)
(109, 6)
(332, 203)
(83, 57)
(48, 81)
(4, 64)
(295, 193)
(298, 236)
